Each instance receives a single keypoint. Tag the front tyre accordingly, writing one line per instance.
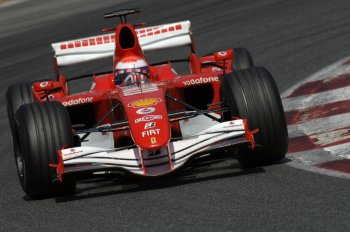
(41, 130)
(252, 94)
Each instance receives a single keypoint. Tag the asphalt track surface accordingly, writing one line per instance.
(291, 38)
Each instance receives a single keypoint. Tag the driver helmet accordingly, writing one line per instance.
(131, 72)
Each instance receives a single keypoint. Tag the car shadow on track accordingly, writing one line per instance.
(202, 170)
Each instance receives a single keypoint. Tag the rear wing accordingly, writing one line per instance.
(103, 46)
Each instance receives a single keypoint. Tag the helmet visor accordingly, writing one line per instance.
(122, 74)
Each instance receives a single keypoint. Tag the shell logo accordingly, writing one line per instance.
(144, 102)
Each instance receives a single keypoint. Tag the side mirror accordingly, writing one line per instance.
(43, 86)
(223, 55)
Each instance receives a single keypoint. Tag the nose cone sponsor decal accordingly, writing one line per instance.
(148, 118)
(153, 140)
(147, 110)
(149, 125)
(144, 102)
(147, 133)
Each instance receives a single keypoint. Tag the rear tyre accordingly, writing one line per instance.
(242, 59)
(41, 130)
(17, 95)
(252, 94)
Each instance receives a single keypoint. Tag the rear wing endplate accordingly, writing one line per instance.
(102, 46)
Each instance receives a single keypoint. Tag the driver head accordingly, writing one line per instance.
(131, 71)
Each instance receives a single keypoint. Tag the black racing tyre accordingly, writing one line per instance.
(17, 95)
(242, 59)
(252, 94)
(41, 130)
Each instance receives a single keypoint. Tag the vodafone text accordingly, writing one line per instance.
(201, 80)
(78, 101)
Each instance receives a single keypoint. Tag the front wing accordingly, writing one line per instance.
(154, 163)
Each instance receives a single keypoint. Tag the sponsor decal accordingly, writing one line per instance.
(147, 110)
(151, 132)
(73, 152)
(201, 80)
(153, 140)
(222, 53)
(144, 102)
(149, 125)
(44, 84)
(233, 124)
(216, 69)
(81, 100)
(148, 118)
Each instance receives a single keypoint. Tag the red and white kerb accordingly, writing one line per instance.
(318, 117)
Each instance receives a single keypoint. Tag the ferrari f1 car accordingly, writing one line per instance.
(139, 118)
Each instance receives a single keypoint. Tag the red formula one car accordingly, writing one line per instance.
(139, 118)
